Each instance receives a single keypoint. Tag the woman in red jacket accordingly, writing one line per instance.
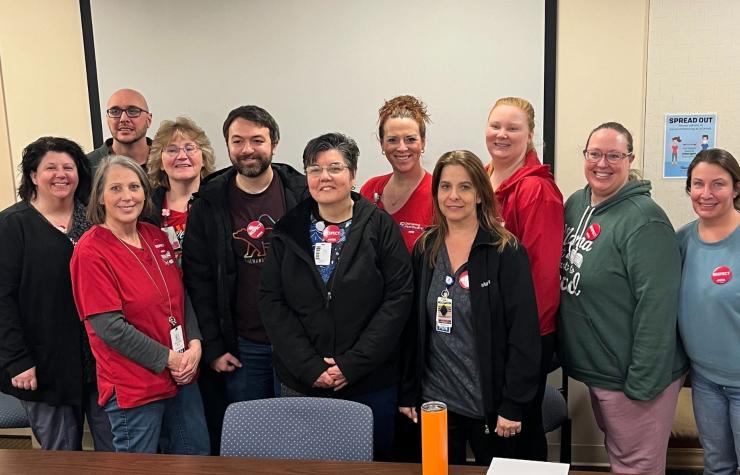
(531, 208)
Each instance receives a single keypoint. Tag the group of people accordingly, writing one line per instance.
(198, 288)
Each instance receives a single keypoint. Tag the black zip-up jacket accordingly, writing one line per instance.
(208, 262)
(506, 327)
(357, 317)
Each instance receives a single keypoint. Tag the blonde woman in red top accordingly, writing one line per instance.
(531, 208)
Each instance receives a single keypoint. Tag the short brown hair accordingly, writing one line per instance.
(167, 131)
(723, 159)
(96, 209)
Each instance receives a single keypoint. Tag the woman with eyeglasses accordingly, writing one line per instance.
(181, 155)
(474, 341)
(336, 290)
(128, 290)
(45, 358)
(406, 192)
(709, 305)
(531, 208)
(620, 276)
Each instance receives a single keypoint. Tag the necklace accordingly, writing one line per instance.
(170, 318)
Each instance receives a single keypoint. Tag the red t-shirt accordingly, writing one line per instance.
(415, 215)
(106, 277)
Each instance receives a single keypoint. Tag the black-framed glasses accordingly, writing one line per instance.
(611, 157)
(174, 150)
(333, 169)
(132, 112)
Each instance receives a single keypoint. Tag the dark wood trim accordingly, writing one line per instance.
(93, 94)
(548, 114)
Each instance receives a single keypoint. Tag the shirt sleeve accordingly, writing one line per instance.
(126, 339)
(653, 264)
(15, 357)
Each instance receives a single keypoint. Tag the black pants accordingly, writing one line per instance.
(213, 391)
(532, 443)
(462, 431)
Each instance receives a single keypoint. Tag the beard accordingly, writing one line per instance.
(254, 169)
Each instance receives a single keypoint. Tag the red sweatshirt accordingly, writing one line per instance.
(531, 208)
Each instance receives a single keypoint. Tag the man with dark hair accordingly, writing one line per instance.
(128, 120)
(227, 240)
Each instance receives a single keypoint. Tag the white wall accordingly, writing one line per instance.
(325, 65)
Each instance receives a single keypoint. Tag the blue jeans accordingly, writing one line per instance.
(717, 412)
(178, 423)
(256, 378)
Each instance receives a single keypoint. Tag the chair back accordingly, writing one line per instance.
(305, 428)
(12, 414)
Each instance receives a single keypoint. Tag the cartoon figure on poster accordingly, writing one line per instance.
(685, 136)
(674, 150)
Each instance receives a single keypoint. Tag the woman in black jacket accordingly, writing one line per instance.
(45, 358)
(336, 291)
(473, 340)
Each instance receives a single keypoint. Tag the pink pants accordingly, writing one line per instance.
(636, 432)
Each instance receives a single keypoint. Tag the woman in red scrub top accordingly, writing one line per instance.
(129, 293)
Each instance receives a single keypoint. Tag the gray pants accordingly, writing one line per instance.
(61, 427)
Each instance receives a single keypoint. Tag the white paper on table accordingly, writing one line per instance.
(526, 467)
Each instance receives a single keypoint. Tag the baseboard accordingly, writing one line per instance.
(687, 459)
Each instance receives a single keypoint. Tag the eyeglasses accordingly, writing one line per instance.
(611, 157)
(173, 150)
(132, 112)
(333, 169)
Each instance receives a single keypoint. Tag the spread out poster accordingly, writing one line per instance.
(685, 136)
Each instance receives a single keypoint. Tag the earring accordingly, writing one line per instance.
(422, 150)
(353, 187)
(382, 152)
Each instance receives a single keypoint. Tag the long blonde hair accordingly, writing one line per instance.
(434, 237)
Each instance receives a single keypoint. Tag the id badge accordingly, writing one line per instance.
(443, 317)
(322, 254)
(177, 338)
(172, 237)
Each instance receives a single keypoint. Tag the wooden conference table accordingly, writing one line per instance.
(39, 462)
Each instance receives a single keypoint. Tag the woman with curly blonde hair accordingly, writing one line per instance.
(181, 155)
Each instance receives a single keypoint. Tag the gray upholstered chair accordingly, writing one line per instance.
(12, 414)
(298, 428)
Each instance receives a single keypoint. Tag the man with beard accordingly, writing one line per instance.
(227, 240)
(128, 120)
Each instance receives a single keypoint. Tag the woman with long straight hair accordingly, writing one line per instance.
(472, 341)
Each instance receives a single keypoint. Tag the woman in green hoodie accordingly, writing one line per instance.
(620, 275)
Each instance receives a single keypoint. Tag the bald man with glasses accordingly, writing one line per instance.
(128, 120)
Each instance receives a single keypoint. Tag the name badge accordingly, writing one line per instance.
(443, 318)
(177, 338)
(172, 237)
(322, 254)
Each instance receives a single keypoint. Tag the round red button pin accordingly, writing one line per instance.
(464, 280)
(332, 234)
(593, 231)
(255, 229)
(721, 275)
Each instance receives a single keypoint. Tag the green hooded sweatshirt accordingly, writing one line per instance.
(620, 275)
